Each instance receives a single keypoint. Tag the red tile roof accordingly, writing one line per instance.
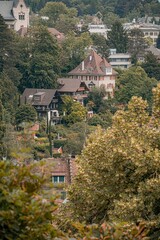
(54, 32)
(92, 65)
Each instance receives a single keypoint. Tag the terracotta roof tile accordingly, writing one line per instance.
(92, 65)
(54, 32)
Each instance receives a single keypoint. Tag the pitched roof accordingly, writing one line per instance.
(15, 3)
(154, 50)
(22, 31)
(60, 36)
(92, 65)
(6, 10)
(70, 84)
(46, 96)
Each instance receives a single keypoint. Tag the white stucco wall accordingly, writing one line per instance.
(21, 9)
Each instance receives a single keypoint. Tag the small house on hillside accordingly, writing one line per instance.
(73, 87)
(43, 100)
(62, 172)
(95, 71)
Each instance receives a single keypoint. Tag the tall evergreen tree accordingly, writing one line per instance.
(151, 66)
(2, 130)
(40, 56)
(136, 44)
(117, 38)
(100, 44)
(5, 39)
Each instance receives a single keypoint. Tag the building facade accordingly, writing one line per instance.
(45, 101)
(149, 30)
(15, 14)
(95, 71)
(120, 60)
(75, 88)
(100, 29)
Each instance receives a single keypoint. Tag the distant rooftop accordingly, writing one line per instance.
(6, 10)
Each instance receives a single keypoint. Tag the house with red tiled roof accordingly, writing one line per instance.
(95, 71)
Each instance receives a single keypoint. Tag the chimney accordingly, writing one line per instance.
(90, 58)
(83, 66)
(62, 82)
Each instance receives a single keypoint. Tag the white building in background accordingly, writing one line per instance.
(119, 60)
(150, 30)
(100, 29)
(15, 14)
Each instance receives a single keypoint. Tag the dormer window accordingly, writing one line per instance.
(21, 16)
(108, 70)
(38, 97)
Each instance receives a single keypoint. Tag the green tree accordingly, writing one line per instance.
(25, 113)
(40, 59)
(66, 23)
(5, 43)
(100, 45)
(117, 37)
(136, 44)
(9, 52)
(53, 10)
(96, 99)
(134, 82)
(8, 92)
(151, 66)
(74, 111)
(25, 209)
(2, 130)
(110, 18)
(103, 119)
(118, 177)
(74, 50)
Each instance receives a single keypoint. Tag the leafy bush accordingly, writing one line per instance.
(42, 147)
(56, 155)
(59, 143)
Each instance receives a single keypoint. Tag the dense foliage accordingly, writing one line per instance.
(134, 82)
(120, 8)
(118, 176)
(25, 113)
(25, 210)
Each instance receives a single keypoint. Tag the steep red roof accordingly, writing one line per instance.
(92, 65)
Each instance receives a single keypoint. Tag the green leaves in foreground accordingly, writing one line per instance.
(25, 211)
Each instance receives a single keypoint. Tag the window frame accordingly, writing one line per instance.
(58, 179)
